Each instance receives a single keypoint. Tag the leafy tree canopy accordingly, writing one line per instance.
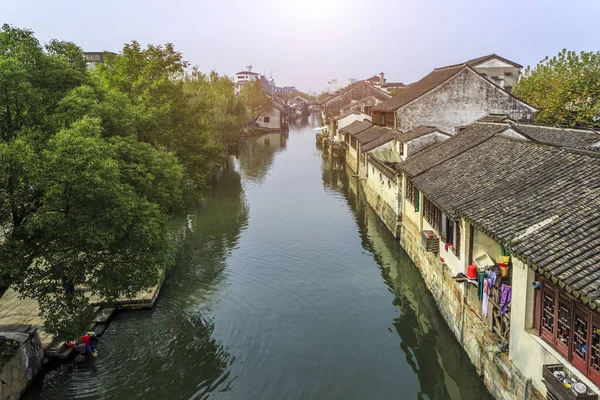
(93, 163)
(255, 97)
(564, 88)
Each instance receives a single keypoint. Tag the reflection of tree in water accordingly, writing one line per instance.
(168, 352)
(430, 347)
(205, 238)
(257, 154)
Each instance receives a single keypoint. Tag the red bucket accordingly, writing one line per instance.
(472, 271)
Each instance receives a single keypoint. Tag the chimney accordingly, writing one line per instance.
(381, 79)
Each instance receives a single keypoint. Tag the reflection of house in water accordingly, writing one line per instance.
(257, 154)
(428, 344)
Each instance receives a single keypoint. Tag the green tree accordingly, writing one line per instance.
(153, 80)
(221, 113)
(82, 201)
(255, 98)
(564, 88)
(395, 91)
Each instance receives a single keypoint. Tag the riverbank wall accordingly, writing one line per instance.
(387, 214)
(457, 303)
(21, 358)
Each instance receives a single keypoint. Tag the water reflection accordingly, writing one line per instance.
(168, 352)
(287, 289)
(256, 154)
(442, 367)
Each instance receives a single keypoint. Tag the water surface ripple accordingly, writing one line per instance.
(286, 286)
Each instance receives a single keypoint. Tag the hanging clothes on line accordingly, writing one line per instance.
(480, 279)
(505, 298)
(487, 284)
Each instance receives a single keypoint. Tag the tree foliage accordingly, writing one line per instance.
(564, 88)
(395, 91)
(220, 111)
(255, 97)
(92, 163)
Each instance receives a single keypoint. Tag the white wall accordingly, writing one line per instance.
(496, 67)
(426, 140)
(274, 116)
(461, 100)
(385, 187)
(347, 120)
(483, 243)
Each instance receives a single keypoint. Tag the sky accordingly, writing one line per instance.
(306, 43)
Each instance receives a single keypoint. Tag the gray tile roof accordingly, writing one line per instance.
(373, 133)
(356, 127)
(419, 131)
(387, 156)
(476, 61)
(540, 202)
(558, 136)
(496, 118)
(417, 89)
(442, 151)
(386, 136)
(357, 112)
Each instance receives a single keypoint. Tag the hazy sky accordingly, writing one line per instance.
(307, 42)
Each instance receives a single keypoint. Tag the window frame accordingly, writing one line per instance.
(457, 238)
(576, 309)
(433, 215)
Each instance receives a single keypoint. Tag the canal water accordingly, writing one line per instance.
(286, 286)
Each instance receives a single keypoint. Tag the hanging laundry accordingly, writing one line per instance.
(480, 278)
(487, 284)
(492, 275)
(505, 298)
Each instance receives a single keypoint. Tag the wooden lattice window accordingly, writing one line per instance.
(456, 243)
(563, 326)
(595, 353)
(432, 215)
(570, 327)
(411, 192)
(548, 311)
(580, 339)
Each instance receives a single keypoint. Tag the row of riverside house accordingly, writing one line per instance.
(457, 171)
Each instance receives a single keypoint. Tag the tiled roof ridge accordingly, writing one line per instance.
(532, 142)
(473, 145)
(451, 66)
(541, 125)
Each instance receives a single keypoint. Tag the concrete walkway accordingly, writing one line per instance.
(25, 311)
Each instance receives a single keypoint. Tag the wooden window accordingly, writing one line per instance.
(389, 120)
(456, 243)
(580, 339)
(548, 312)
(563, 326)
(594, 365)
(432, 215)
(410, 192)
(570, 327)
(267, 119)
